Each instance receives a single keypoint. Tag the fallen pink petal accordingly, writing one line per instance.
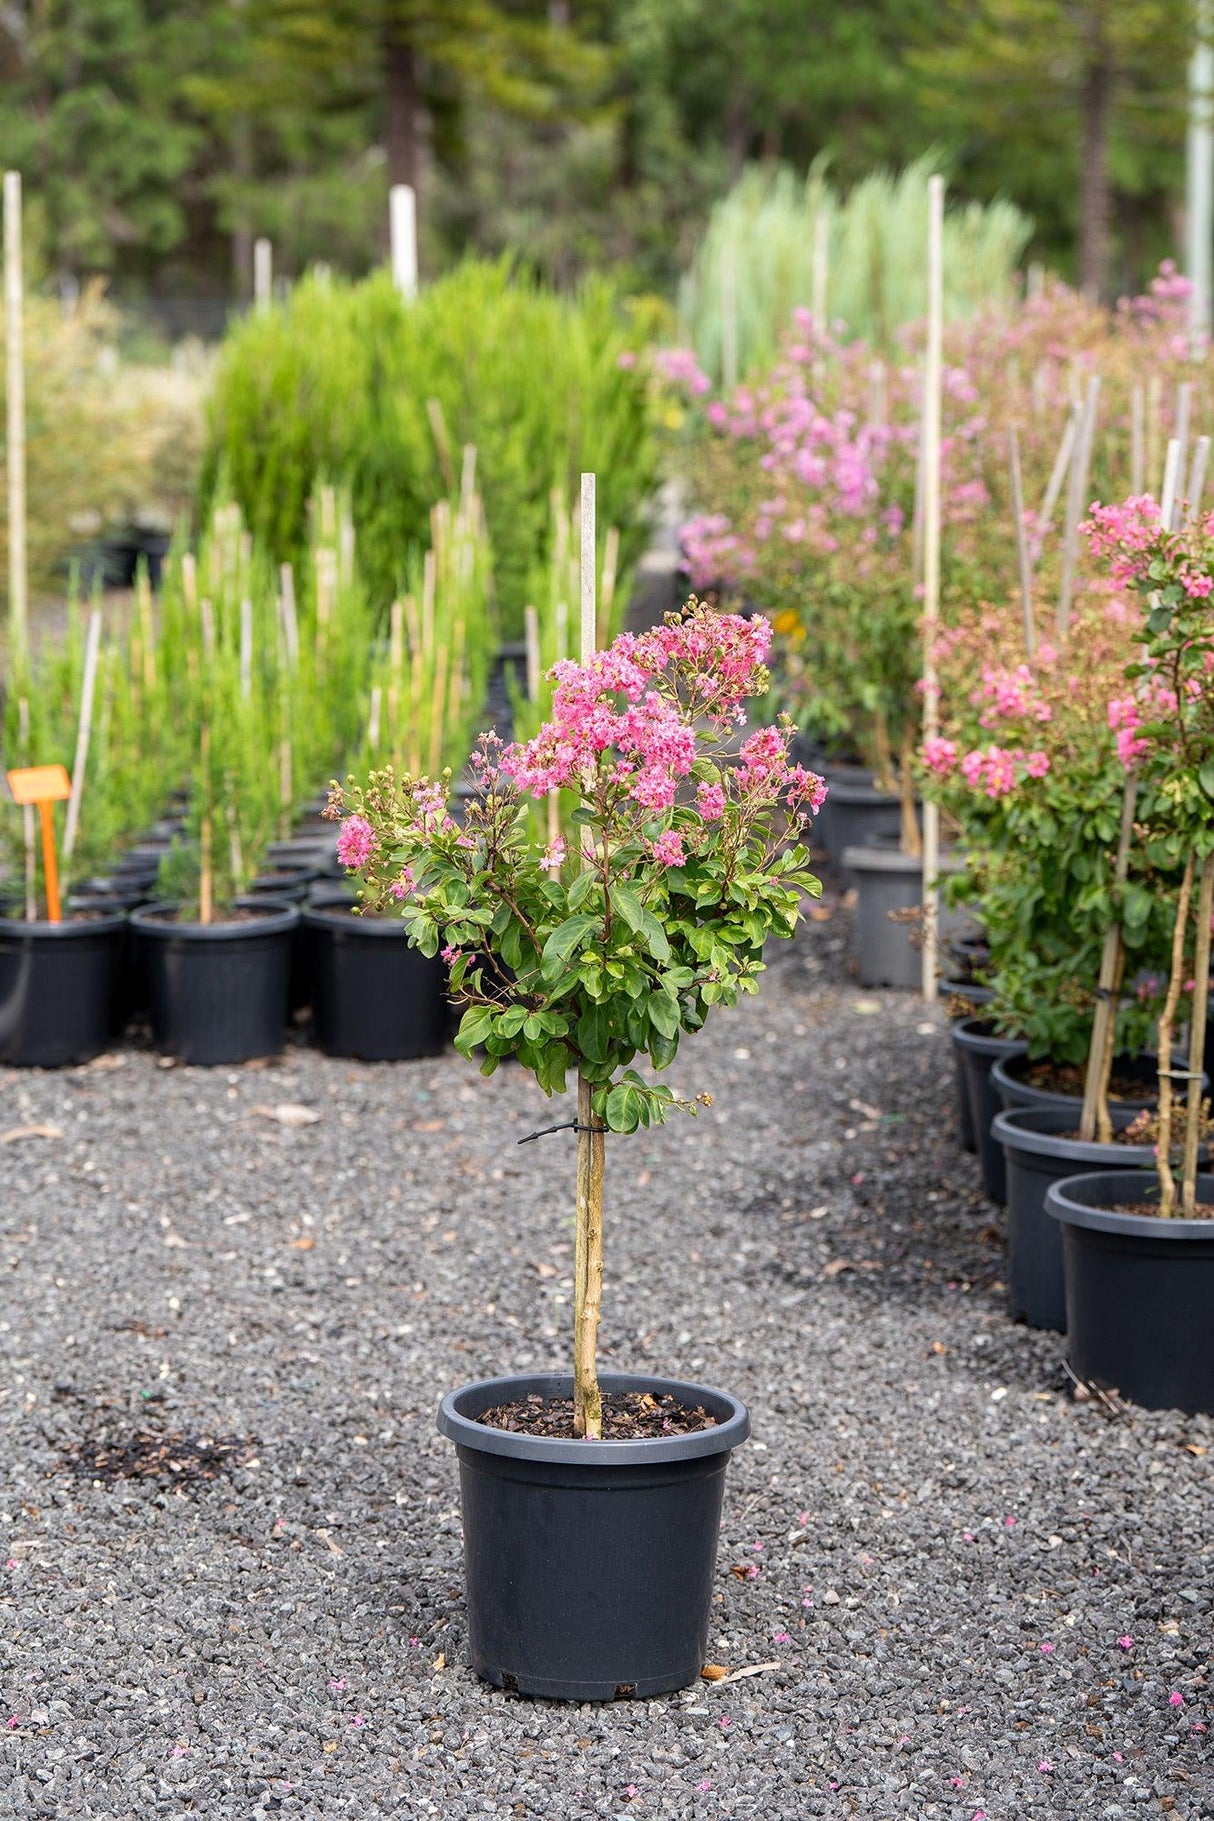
(1045, 1765)
(1047, 1647)
(1175, 1699)
(1126, 1643)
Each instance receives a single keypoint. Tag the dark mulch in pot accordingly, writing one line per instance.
(1070, 1077)
(627, 1417)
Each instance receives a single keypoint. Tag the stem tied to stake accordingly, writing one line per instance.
(588, 1267)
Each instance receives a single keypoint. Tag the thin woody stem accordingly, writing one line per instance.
(1167, 1182)
(1197, 1037)
(588, 1267)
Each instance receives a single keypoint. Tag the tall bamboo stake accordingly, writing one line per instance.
(83, 730)
(1197, 1037)
(246, 648)
(1167, 1181)
(1197, 479)
(729, 316)
(402, 233)
(1169, 496)
(531, 628)
(14, 332)
(819, 278)
(263, 275)
(1058, 473)
(1074, 506)
(28, 818)
(588, 1250)
(932, 380)
(1022, 544)
(1094, 1120)
(206, 883)
(1137, 443)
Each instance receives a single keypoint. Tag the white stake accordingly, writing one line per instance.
(932, 383)
(1022, 544)
(1199, 181)
(246, 648)
(1171, 485)
(373, 720)
(28, 818)
(1074, 506)
(531, 626)
(729, 317)
(263, 275)
(589, 626)
(1138, 449)
(402, 229)
(1058, 473)
(84, 728)
(818, 286)
(290, 623)
(1197, 478)
(18, 595)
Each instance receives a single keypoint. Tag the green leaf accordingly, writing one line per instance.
(475, 1025)
(655, 936)
(629, 907)
(594, 1033)
(1205, 777)
(663, 1015)
(565, 938)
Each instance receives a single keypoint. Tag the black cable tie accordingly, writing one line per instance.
(1105, 992)
(569, 1125)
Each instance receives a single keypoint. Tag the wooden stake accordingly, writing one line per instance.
(1137, 442)
(1022, 545)
(189, 581)
(611, 560)
(588, 1250)
(28, 818)
(1154, 422)
(1169, 498)
(14, 325)
(263, 275)
(246, 648)
(206, 883)
(1094, 1119)
(402, 232)
(290, 622)
(1058, 473)
(1197, 1038)
(1184, 412)
(531, 627)
(1075, 506)
(442, 443)
(84, 726)
(729, 316)
(373, 719)
(1197, 479)
(932, 382)
(1167, 1181)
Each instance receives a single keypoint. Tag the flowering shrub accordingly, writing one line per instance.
(689, 861)
(1029, 770)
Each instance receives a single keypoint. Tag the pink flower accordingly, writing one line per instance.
(554, 855)
(705, 1783)
(1037, 764)
(358, 1720)
(1047, 1647)
(449, 954)
(1045, 1766)
(956, 1782)
(626, 360)
(710, 800)
(1175, 1699)
(939, 755)
(402, 886)
(1009, 1523)
(12, 1722)
(667, 850)
(179, 1751)
(780, 1637)
(1126, 1643)
(356, 842)
(724, 1722)
(337, 1684)
(12, 1562)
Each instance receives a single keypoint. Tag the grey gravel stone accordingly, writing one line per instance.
(924, 1503)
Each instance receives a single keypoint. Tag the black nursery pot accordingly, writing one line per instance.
(1008, 1079)
(589, 1565)
(978, 1049)
(887, 884)
(1139, 1290)
(373, 996)
(1037, 1155)
(855, 814)
(59, 987)
(218, 992)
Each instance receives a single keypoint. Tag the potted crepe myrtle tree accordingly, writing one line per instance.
(1139, 1250)
(591, 1507)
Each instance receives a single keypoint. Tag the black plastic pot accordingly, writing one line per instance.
(218, 992)
(855, 813)
(59, 987)
(1037, 1155)
(290, 883)
(373, 997)
(589, 1565)
(1007, 1078)
(888, 883)
(1139, 1290)
(979, 1049)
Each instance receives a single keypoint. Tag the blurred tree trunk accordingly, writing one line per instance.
(1094, 200)
(402, 103)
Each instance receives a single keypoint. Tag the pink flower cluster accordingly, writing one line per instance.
(679, 367)
(1125, 716)
(611, 705)
(995, 770)
(1011, 695)
(356, 842)
(1128, 533)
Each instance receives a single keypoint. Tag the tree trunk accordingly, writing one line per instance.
(587, 1268)
(401, 105)
(1096, 105)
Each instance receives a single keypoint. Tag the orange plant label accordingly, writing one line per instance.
(39, 784)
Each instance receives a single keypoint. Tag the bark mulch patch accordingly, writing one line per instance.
(629, 1416)
(113, 1449)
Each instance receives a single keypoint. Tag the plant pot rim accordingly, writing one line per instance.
(1125, 1185)
(1028, 1129)
(100, 924)
(345, 915)
(853, 791)
(455, 1422)
(986, 1042)
(1007, 1070)
(270, 915)
(893, 860)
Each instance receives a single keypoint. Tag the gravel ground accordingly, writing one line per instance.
(935, 1549)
